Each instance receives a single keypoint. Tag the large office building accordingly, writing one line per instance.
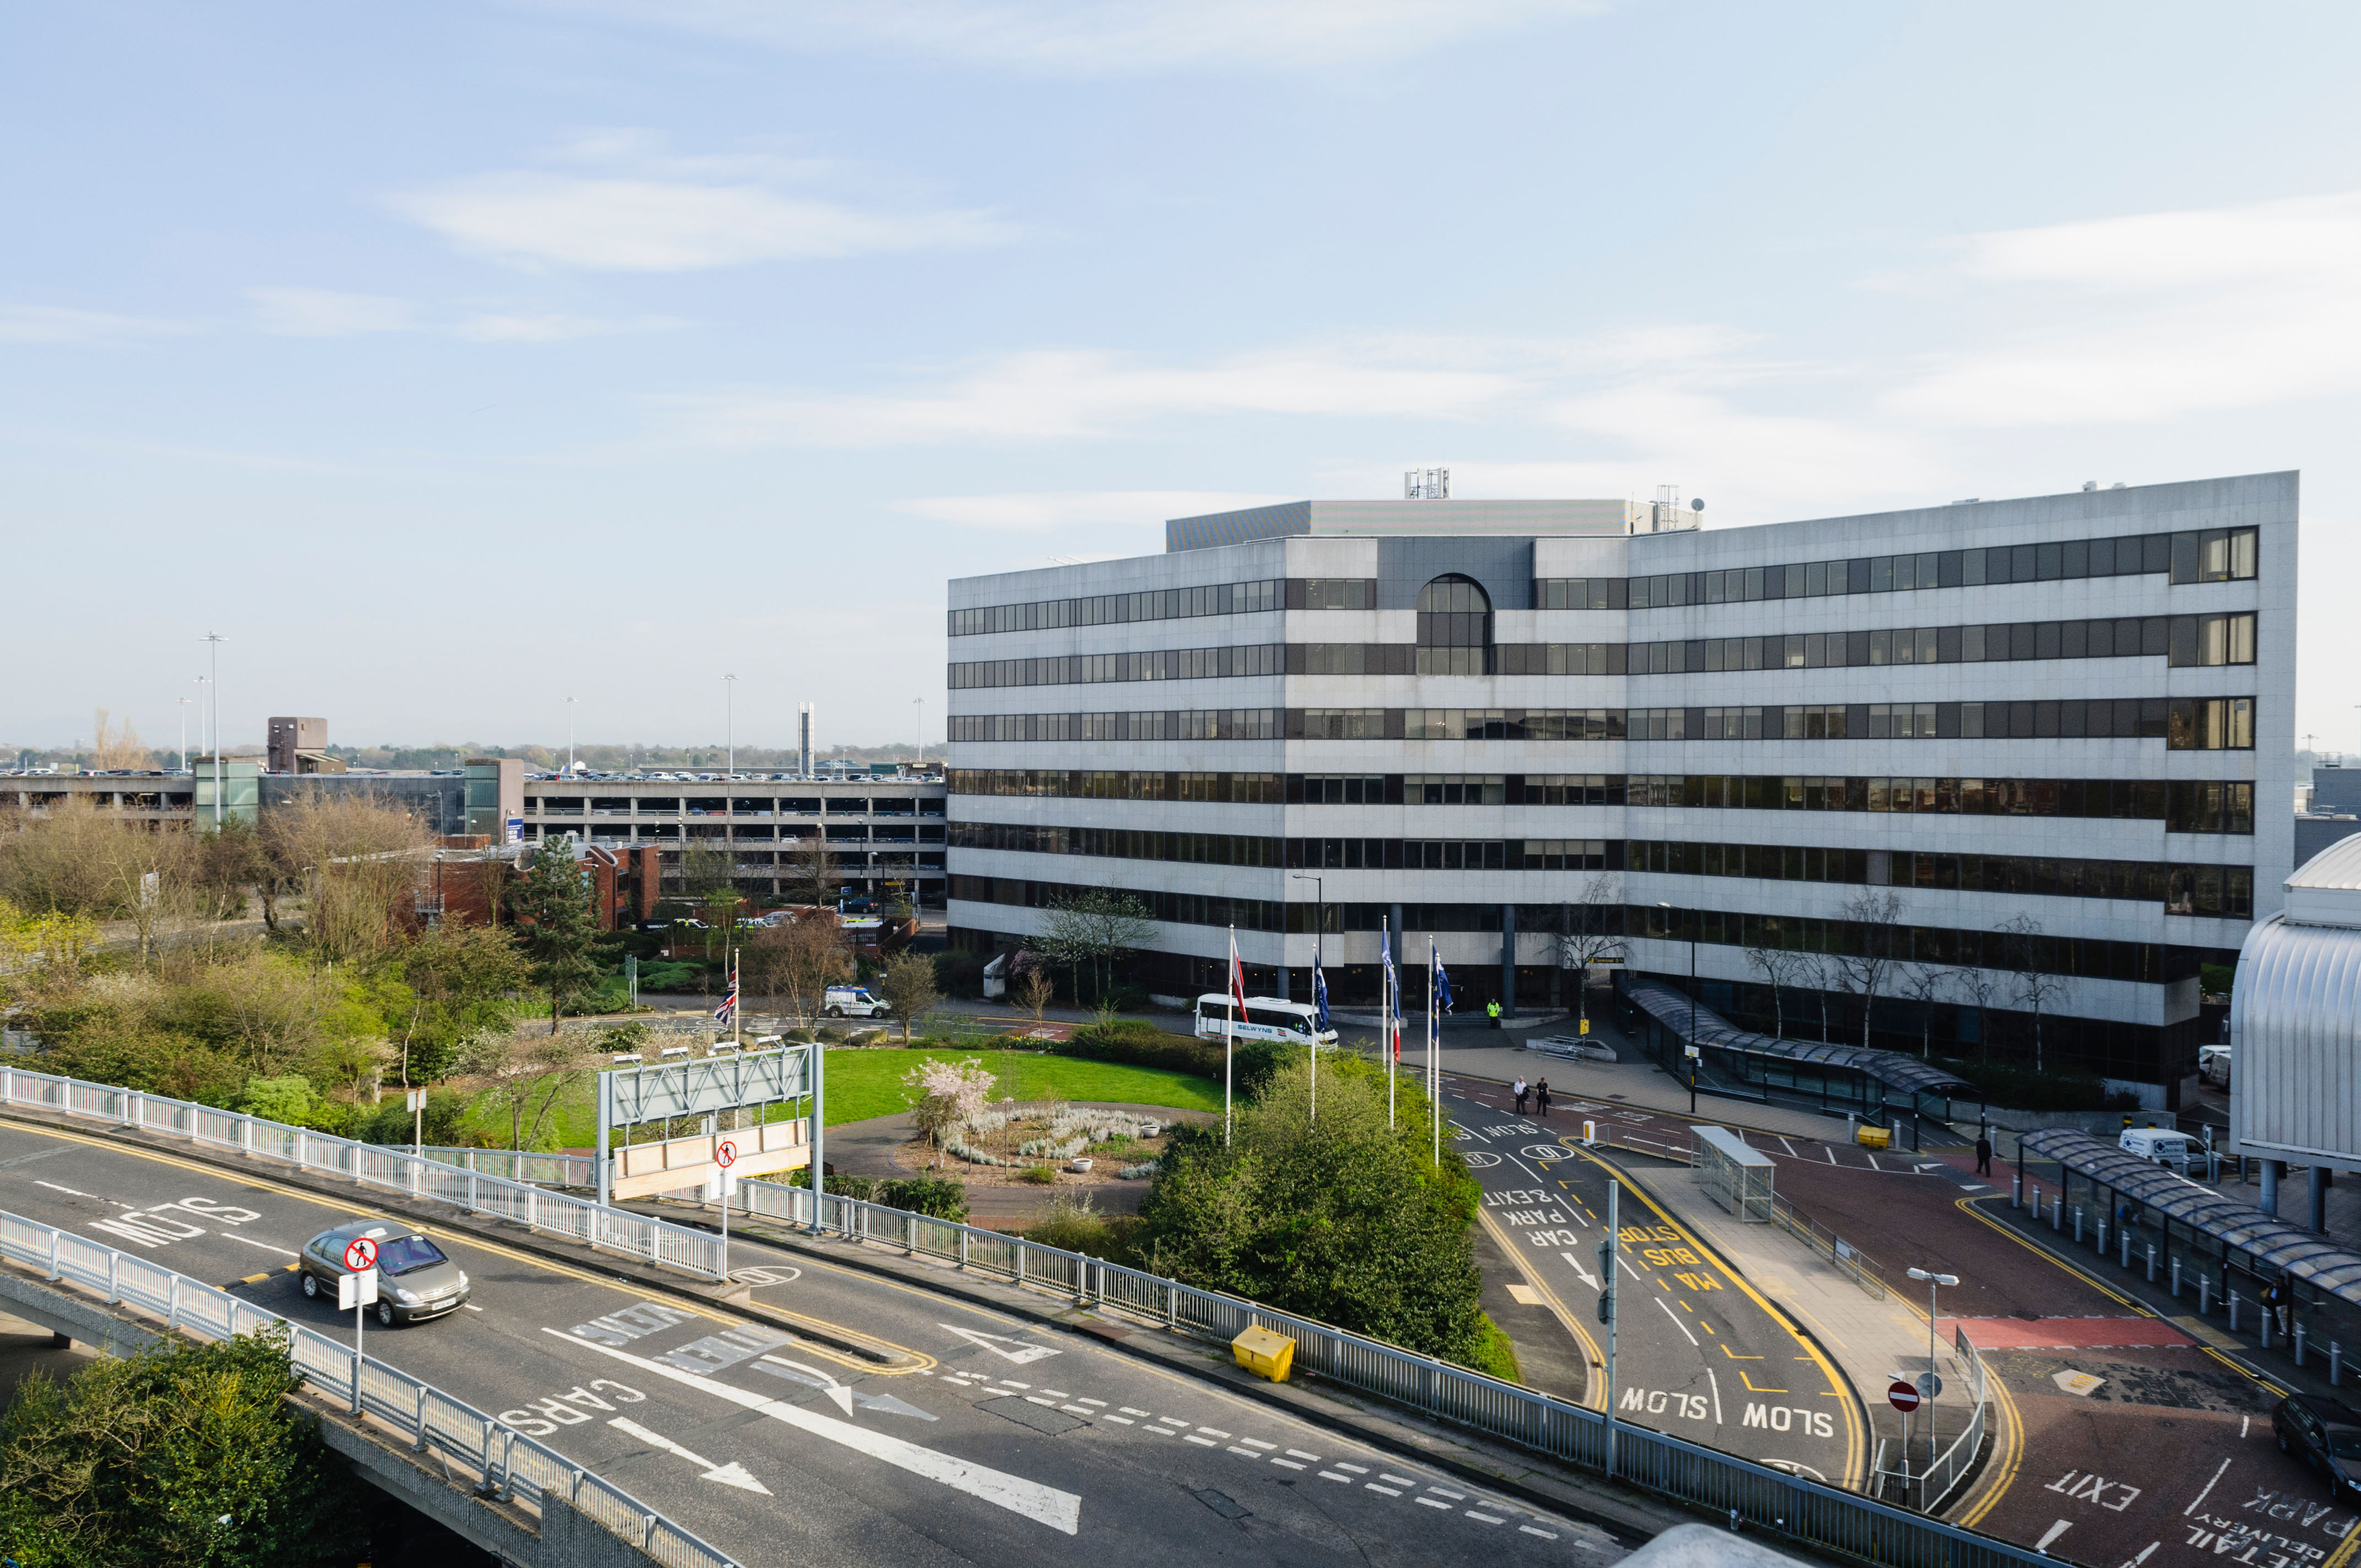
(1994, 739)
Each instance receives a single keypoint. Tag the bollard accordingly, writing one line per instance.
(2125, 1232)
(2057, 1212)
(2017, 1192)
(2299, 1344)
(2204, 1294)
(1589, 1134)
(2099, 1242)
(2176, 1279)
(2266, 1315)
(2234, 1311)
(2152, 1263)
(2078, 1225)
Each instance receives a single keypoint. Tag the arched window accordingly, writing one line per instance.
(1455, 628)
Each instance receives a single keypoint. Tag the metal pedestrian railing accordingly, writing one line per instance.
(539, 1169)
(389, 1168)
(470, 1445)
(1769, 1499)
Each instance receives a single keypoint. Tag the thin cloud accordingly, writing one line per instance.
(65, 324)
(1037, 509)
(639, 223)
(2150, 317)
(513, 327)
(327, 312)
(1113, 37)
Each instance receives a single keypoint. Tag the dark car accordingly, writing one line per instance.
(416, 1279)
(2324, 1435)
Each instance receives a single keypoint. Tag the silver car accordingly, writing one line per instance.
(416, 1279)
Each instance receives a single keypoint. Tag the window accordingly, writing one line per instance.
(1337, 593)
(1455, 628)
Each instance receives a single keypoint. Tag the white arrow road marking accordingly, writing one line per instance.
(2052, 1533)
(1047, 1505)
(1588, 1277)
(799, 1373)
(728, 1474)
(992, 1343)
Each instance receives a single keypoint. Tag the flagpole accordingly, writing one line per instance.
(1433, 1075)
(1229, 1030)
(1385, 1017)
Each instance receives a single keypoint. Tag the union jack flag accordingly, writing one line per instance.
(729, 1008)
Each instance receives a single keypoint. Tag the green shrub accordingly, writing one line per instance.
(1074, 1224)
(1038, 1175)
(1135, 1042)
(391, 1123)
(290, 1099)
(1494, 1354)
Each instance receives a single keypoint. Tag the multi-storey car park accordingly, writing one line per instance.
(2043, 726)
(878, 830)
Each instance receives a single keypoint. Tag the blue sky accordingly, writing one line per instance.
(453, 360)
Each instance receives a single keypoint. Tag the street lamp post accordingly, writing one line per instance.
(213, 691)
(1319, 925)
(569, 736)
(729, 721)
(922, 729)
(1932, 1280)
(184, 732)
(1690, 1044)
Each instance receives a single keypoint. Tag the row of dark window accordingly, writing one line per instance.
(2193, 555)
(2184, 805)
(2224, 890)
(2181, 641)
(2184, 724)
(2151, 963)
(1110, 610)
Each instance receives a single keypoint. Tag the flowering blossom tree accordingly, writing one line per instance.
(945, 1094)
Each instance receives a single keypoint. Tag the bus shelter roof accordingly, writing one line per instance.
(1672, 1009)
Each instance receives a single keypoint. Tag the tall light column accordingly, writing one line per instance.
(729, 720)
(213, 683)
(922, 727)
(569, 736)
(184, 732)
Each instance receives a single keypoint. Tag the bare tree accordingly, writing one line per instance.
(1590, 931)
(1924, 984)
(526, 1075)
(1089, 931)
(797, 960)
(2036, 987)
(1980, 983)
(1867, 966)
(810, 871)
(1819, 972)
(1035, 991)
(908, 987)
(1781, 968)
(116, 748)
(359, 863)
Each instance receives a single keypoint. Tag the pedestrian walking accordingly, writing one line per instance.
(1520, 1090)
(1983, 1154)
(2275, 1302)
(1540, 1097)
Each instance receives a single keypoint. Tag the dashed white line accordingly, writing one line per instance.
(1057, 1393)
(1036, 1399)
(1486, 1519)
(1388, 1491)
(1455, 1496)
(1290, 1464)
(283, 1252)
(1397, 1480)
(1201, 1442)
(1214, 1431)
(1355, 1469)
(1331, 1476)
(1122, 1421)
(1432, 1503)
(1676, 1322)
(1100, 1403)
(71, 1191)
(1299, 1453)
(1012, 1383)
(1249, 1452)
(1128, 1410)
(1077, 1410)
(1545, 1535)
(1257, 1442)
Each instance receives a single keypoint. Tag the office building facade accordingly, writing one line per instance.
(1994, 739)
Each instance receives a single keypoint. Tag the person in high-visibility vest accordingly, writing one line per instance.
(1492, 1011)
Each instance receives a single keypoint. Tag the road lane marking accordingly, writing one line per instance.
(1528, 1530)
(1122, 1421)
(1355, 1469)
(1299, 1453)
(1045, 1505)
(1201, 1442)
(1331, 1476)
(1021, 1351)
(1678, 1324)
(730, 1474)
(1213, 1431)
(283, 1252)
(1290, 1464)
(1486, 1519)
(2052, 1533)
(1397, 1480)
(1249, 1452)
(1432, 1503)
(1388, 1491)
(73, 1192)
(2209, 1486)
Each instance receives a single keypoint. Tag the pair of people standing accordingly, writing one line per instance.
(1539, 1093)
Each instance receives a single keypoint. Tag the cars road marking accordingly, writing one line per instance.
(1057, 1509)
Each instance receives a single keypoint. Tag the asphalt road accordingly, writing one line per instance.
(1002, 1441)
(1699, 1353)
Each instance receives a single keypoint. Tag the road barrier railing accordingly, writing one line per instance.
(538, 1169)
(468, 1442)
(388, 1168)
(1768, 1499)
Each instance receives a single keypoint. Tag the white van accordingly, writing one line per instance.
(2213, 1065)
(853, 1001)
(2176, 1151)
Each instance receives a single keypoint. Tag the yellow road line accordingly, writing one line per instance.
(1856, 1440)
(1594, 1390)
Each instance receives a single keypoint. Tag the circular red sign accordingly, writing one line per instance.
(725, 1154)
(361, 1254)
(1902, 1397)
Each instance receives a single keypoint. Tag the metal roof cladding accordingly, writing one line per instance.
(1909, 1074)
(2275, 1243)
(2295, 1020)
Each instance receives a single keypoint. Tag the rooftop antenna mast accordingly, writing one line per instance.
(1426, 484)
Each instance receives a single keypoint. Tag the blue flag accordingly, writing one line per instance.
(1319, 996)
(1441, 987)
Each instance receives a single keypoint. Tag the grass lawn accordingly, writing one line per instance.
(867, 1082)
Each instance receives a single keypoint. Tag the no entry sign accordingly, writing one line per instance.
(725, 1154)
(1902, 1395)
(361, 1254)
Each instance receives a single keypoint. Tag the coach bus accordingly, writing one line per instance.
(1266, 1018)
